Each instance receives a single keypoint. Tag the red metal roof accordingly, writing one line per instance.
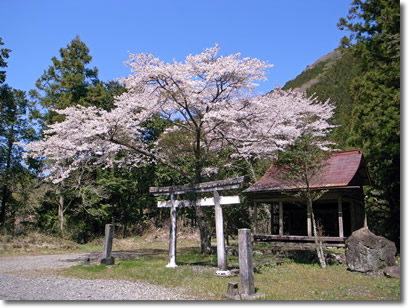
(342, 169)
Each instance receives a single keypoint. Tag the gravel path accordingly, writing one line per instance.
(19, 281)
(30, 263)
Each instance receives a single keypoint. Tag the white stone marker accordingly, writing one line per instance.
(219, 226)
(173, 234)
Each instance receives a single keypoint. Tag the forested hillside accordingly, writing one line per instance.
(331, 78)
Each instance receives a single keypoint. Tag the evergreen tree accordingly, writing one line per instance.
(4, 54)
(14, 127)
(69, 82)
(374, 27)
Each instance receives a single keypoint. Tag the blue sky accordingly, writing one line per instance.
(290, 34)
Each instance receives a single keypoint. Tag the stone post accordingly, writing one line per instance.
(173, 233)
(232, 291)
(309, 221)
(246, 270)
(107, 248)
(340, 216)
(219, 225)
(280, 218)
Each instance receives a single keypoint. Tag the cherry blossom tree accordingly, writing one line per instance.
(210, 97)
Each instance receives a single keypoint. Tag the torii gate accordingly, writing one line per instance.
(216, 201)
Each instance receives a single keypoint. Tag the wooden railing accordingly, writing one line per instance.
(295, 238)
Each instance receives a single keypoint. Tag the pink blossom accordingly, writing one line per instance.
(210, 94)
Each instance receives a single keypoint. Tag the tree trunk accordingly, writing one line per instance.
(6, 190)
(61, 212)
(3, 205)
(318, 242)
(205, 235)
(251, 171)
(192, 217)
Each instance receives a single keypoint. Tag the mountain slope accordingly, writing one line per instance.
(330, 78)
(314, 72)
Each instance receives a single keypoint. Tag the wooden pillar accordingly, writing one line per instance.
(309, 221)
(340, 215)
(271, 218)
(354, 216)
(246, 270)
(219, 225)
(173, 233)
(280, 218)
(255, 217)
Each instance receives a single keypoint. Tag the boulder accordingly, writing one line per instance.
(367, 252)
(392, 272)
(233, 291)
(107, 261)
(232, 252)
(86, 261)
(335, 259)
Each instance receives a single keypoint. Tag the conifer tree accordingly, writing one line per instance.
(4, 54)
(68, 82)
(374, 27)
(14, 127)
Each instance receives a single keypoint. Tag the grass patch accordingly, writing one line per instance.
(309, 282)
(195, 275)
(93, 269)
(35, 243)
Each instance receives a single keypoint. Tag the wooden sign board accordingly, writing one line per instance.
(224, 200)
